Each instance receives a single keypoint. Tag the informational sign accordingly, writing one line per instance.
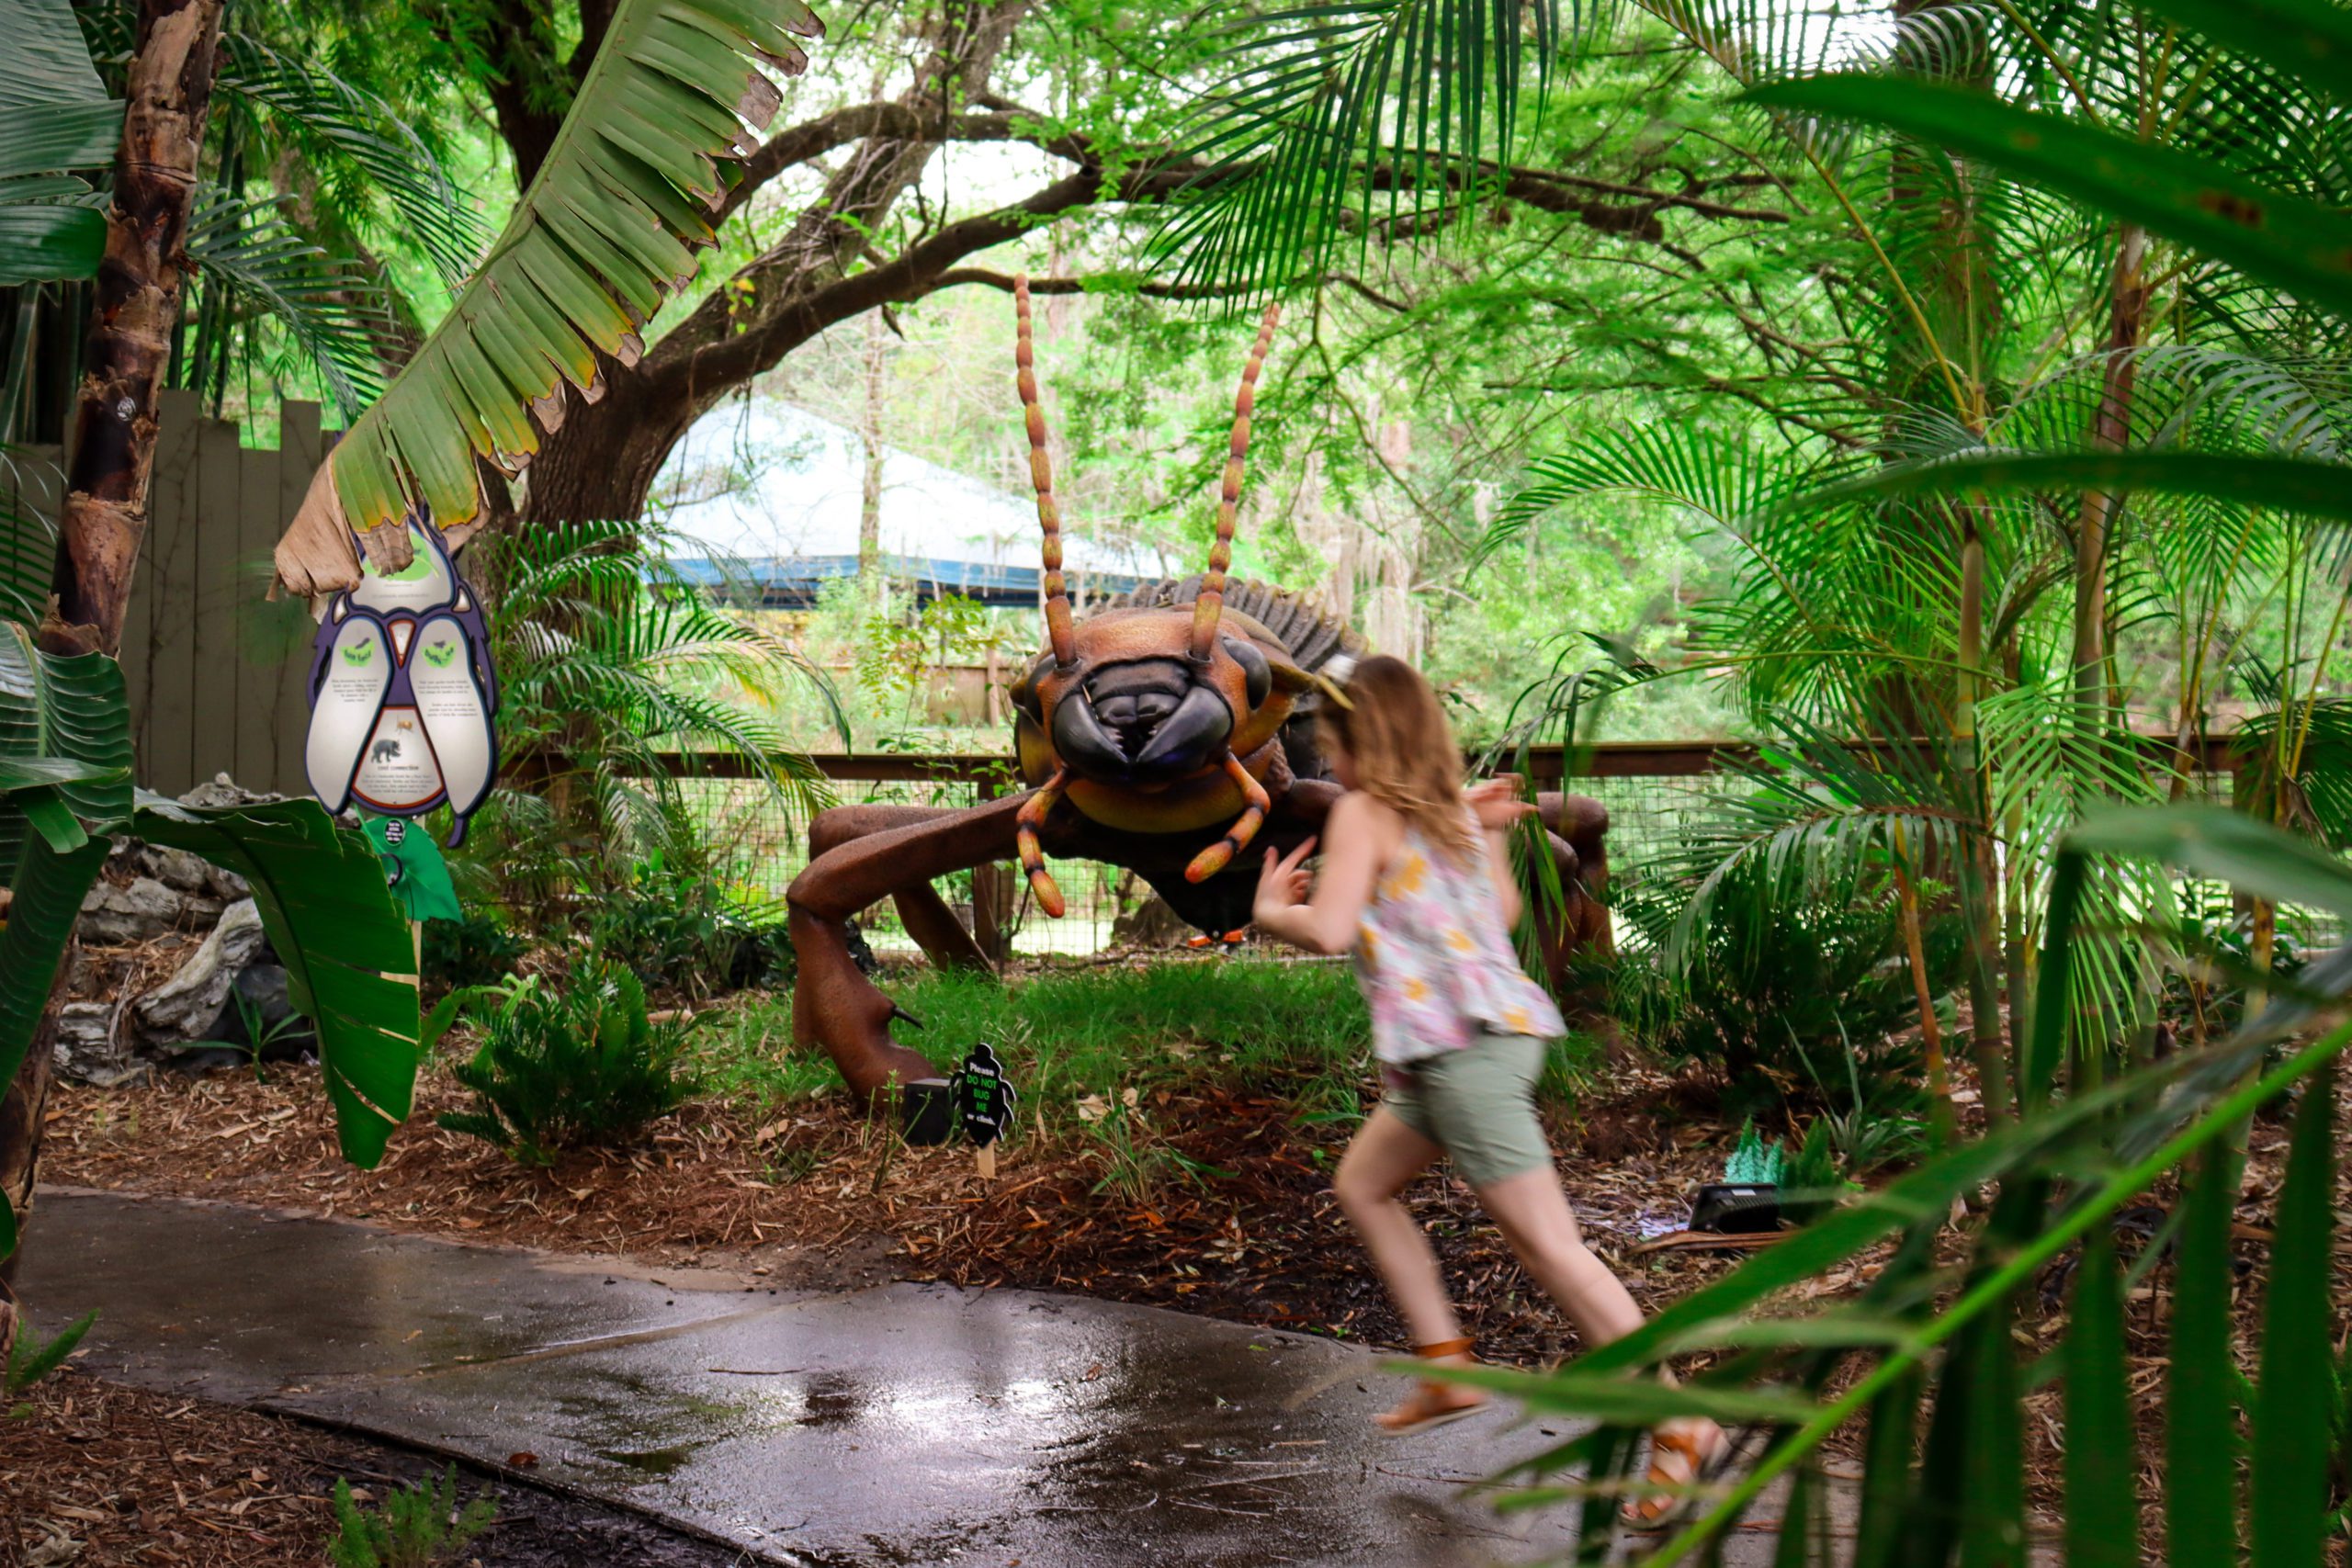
(403, 694)
(984, 1100)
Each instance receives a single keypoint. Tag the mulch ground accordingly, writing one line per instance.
(93, 1474)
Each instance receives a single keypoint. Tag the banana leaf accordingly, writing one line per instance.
(347, 951)
(54, 116)
(65, 785)
(607, 231)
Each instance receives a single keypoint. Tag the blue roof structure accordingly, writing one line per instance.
(795, 581)
(766, 501)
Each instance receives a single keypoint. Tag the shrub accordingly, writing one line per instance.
(420, 1525)
(685, 933)
(1774, 988)
(475, 950)
(559, 1066)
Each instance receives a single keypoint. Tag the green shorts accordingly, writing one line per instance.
(1478, 1104)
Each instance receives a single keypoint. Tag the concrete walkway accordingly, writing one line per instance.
(902, 1425)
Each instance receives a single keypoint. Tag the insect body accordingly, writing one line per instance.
(1167, 733)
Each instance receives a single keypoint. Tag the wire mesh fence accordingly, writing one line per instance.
(1656, 794)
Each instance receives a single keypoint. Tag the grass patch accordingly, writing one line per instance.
(1078, 1043)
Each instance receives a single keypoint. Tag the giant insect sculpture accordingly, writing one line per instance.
(1166, 733)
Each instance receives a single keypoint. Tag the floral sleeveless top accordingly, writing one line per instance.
(1436, 962)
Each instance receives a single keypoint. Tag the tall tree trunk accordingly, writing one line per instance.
(124, 360)
(137, 302)
(2110, 428)
(869, 497)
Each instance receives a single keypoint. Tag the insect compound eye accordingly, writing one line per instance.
(1254, 668)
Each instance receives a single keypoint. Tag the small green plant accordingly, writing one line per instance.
(686, 933)
(31, 1358)
(577, 1063)
(1811, 1179)
(260, 1035)
(420, 1525)
(474, 950)
(1752, 1160)
(1133, 1164)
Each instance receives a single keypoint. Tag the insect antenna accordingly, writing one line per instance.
(1059, 630)
(1210, 605)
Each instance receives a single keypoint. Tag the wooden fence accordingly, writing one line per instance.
(215, 669)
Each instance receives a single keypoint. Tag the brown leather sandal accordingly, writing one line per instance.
(1700, 1464)
(1433, 1403)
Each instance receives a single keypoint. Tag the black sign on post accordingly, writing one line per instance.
(984, 1101)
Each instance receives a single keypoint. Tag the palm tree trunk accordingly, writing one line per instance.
(137, 301)
(1980, 901)
(123, 362)
(2112, 428)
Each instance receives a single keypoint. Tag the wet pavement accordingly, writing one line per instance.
(906, 1423)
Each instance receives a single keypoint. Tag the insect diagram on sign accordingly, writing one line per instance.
(402, 693)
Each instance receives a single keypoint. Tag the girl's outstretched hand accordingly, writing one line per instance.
(1282, 884)
(1497, 801)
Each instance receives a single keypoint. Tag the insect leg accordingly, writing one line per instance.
(1033, 859)
(1220, 855)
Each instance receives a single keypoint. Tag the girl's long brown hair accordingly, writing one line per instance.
(1405, 757)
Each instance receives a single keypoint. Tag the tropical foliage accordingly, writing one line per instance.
(623, 685)
(1934, 606)
(65, 785)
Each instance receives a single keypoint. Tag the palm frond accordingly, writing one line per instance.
(246, 248)
(607, 231)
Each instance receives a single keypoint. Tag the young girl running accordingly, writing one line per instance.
(1416, 878)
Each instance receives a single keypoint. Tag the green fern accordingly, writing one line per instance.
(420, 1525)
(1752, 1160)
(565, 1066)
(30, 1360)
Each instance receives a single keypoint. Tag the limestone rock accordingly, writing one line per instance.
(114, 916)
(86, 1051)
(188, 1006)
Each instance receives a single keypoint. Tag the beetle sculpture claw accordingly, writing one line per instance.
(1180, 712)
(1033, 859)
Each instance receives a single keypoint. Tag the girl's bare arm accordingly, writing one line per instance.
(1499, 871)
(1354, 851)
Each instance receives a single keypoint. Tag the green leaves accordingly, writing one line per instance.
(2285, 241)
(2291, 485)
(606, 233)
(1397, 103)
(65, 737)
(348, 954)
(54, 116)
(2102, 1467)
(2200, 1424)
(2293, 1412)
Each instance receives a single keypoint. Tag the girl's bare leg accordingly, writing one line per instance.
(1542, 1229)
(1535, 1216)
(1380, 1163)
